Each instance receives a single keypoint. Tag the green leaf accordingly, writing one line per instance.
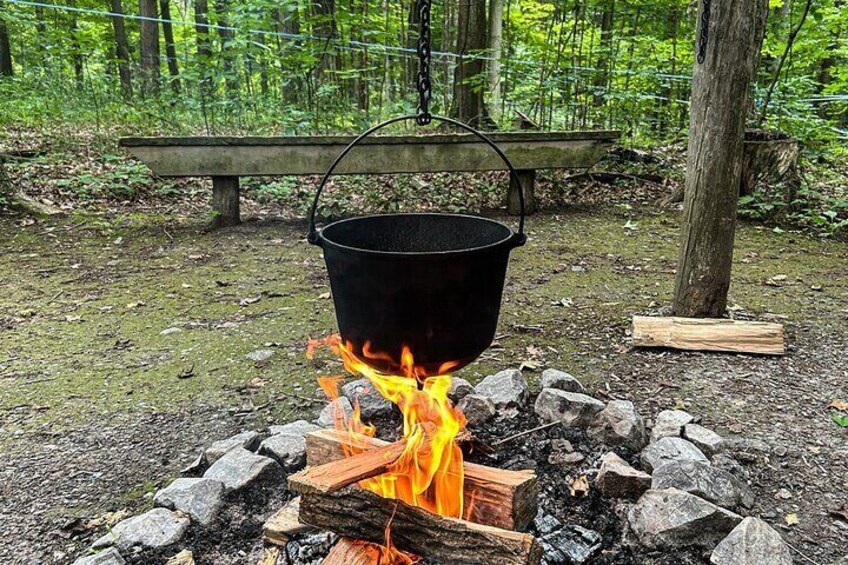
(840, 419)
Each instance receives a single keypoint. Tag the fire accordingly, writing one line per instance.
(429, 473)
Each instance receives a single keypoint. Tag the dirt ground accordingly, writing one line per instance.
(123, 348)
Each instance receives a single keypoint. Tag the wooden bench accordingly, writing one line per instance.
(225, 159)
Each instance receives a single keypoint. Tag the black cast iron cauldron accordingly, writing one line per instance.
(431, 282)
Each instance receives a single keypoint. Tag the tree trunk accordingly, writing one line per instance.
(149, 38)
(602, 78)
(204, 51)
(170, 45)
(6, 69)
(496, 8)
(468, 77)
(227, 60)
(76, 49)
(324, 27)
(122, 49)
(721, 86)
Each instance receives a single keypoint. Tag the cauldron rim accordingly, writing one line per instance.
(508, 240)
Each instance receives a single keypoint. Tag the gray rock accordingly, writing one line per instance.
(670, 518)
(731, 465)
(286, 449)
(106, 557)
(619, 425)
(553, 378)
(670, 423)
(371, 402)
(561, 445)
(154, 529)
(202, 499)
(617, 479)
(506, 389)
(570, 408)
(752, 542)
(341, 405)
(670, 449)
(703, 438)
(459, 389)
(570, 545)
(478, 409)
(260, 355)
(239, 469)
(247, 440)
(546, 523)
(297, 428)
(715, 485)
(748, 450)
(565, 459)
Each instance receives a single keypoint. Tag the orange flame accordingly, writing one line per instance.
(429, 473)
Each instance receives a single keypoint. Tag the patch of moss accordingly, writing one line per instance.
(86, 301)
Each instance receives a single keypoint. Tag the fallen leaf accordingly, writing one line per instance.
(529, 366)
(185, 557)
(791, 519)
(324, 295)
(270, 556)
(579, 486)
(186, 373)
(249, 300)
(839, 405)
(70, 318)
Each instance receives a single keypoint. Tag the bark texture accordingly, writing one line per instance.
(721, 90)
(360, 514)
(496, 8)
(170, 45)
(122, 49)
(469, 77)
(5, 46)
(149, 39)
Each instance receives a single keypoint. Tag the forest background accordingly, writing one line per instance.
(301, 67)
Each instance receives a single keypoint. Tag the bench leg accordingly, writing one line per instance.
(225, 202)
(528, 181)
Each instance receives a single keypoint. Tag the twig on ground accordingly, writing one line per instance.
(798, 551)
(525, 433)
(56, 296)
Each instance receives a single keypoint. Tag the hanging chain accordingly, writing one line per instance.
(705, 31)
(424, 84)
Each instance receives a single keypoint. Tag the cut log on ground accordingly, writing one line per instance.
(333, 476)
(285, 524)
(493, 497)
(353, 552)
(708, 334)
(357, 513)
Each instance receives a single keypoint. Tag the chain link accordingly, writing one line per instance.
(424, 84)
(704, 37)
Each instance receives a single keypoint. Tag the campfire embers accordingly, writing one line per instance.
(414, 497)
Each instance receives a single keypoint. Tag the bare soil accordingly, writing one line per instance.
(123, 343)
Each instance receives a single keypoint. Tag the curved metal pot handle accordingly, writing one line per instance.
(518, 239)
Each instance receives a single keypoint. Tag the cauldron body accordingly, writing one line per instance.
(429, 282)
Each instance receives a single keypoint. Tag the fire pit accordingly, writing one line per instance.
(415, 497)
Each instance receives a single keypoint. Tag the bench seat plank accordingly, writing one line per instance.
(253, 156)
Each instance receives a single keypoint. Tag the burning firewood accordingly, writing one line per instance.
(496, 497)
(357, 513)
(332, 477)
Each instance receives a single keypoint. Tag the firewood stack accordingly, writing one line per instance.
(499, 504)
